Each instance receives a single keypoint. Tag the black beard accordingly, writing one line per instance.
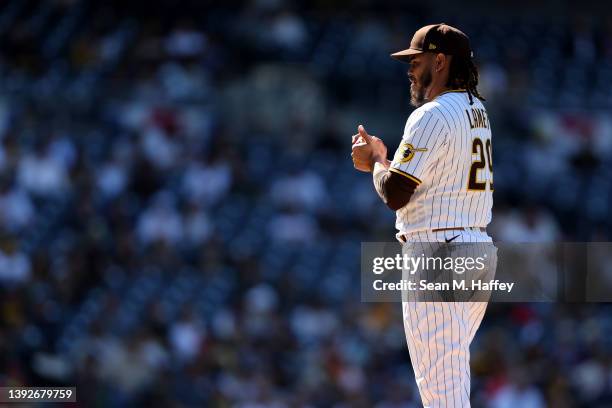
(417, 92)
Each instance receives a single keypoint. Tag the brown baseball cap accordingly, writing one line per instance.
(437, 38)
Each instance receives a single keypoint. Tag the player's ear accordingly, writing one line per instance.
(442, 60)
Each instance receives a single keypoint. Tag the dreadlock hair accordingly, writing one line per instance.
(463, 74)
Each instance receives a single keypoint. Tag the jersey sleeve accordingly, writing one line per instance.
(423, 134)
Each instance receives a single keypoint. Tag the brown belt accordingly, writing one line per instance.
(403, 237)
(459, 228)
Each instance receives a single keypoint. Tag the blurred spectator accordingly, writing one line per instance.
(590, 378)
(288, 31)
(159, 148)
(161, 222)
(185, 41)
(518, 393)
(291, 226)
(14, 265)
(197, 226)
(316, 323)
(126, 366)
(534, 224)
(42, 173)
(16, 208)
(492, 81)
(582, 43)
(206, 183)
(301, 190)
(112, 179)
(186, 337)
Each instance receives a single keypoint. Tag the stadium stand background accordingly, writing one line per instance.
(181, 223)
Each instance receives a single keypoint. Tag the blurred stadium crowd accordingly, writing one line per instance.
(181, 222)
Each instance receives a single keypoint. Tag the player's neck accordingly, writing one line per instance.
(435, 90)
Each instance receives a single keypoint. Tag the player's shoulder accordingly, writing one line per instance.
(449, 100)
(424, 111)
(430, 112)
(447, 104)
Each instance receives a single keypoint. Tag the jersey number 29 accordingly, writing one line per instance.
(484, 154)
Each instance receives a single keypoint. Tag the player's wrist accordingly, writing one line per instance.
(378, 167)
(381, 159)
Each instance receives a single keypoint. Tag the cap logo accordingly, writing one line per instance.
(432, 46)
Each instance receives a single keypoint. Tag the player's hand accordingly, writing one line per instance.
(362, 150)
(367, 150)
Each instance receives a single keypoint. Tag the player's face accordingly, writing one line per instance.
(420, 77)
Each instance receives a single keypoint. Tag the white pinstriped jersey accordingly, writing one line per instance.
(446, 149)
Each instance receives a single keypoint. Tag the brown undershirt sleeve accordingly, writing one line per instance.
(394, 189)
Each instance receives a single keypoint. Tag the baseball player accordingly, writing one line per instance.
(440, 184)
